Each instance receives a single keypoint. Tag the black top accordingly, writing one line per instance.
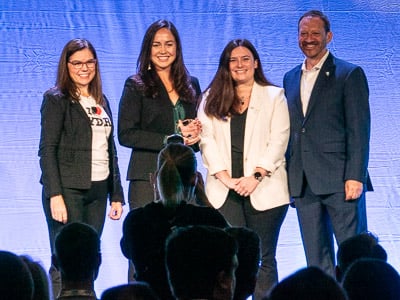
(145, 230)
(238, 124)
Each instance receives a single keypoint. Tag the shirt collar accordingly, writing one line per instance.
(318, 65)
(77, 293)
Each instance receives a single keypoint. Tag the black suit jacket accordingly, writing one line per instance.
(143, 123)
(330, 143)
(65, 148)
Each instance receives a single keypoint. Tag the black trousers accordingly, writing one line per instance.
(238, 211)
(86, 206)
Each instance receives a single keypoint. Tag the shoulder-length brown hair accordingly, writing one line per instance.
(64, 82)
(222, 96)
(147, 79)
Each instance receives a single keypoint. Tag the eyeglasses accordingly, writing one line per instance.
(79, 64)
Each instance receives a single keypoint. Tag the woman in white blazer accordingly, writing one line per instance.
(245, 134)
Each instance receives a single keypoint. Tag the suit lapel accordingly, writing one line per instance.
(256, 101)
(298, 105)
(322, 82)
(81, 110)
(292, 91)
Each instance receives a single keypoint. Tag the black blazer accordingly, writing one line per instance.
(65, 148)
(330, 144)
(143, 123)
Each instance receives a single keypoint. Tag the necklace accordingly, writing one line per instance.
(244, 95)
(244, 99)
(244, 102)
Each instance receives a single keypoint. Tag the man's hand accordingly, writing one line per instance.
(353, 189)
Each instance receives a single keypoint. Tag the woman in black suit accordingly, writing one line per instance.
(156, 102)
(77, 152)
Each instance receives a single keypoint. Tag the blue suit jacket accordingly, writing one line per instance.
(330, 144)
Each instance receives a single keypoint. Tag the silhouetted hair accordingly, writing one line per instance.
(15, 278)
(147, 79)
(249, 260)
(133, 291)
(316, 14)
(363, 245)
(309, 283)
(176, 174)
(64, 82)
(77, 251)
(371, 279)
(195, 255)
(200, 196)
(40, 279)
(222, 97)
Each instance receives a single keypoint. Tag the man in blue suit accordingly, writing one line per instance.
(329, 143)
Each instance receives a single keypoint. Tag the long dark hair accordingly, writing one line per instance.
(64, 82)
(176, 174)
(147, 79)
(221, 98)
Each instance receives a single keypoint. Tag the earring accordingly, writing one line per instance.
(149, 67)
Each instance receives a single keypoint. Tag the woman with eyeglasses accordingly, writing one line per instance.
(77, 152)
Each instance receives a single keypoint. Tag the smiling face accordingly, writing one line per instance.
(242, 65)
(84, 75)
(313, 38)
(163, 49)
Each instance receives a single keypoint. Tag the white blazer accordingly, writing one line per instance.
(265, 142)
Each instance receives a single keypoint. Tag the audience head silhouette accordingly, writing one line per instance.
(145, 229)
(41, 285)
(133, 291)
(201, 263)
(363, 245)
(77, 252)
(309, 283)
(15, 278)
(176, 174)
(249, 260)
(371, 279)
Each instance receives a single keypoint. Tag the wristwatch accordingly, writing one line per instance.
(258, 176)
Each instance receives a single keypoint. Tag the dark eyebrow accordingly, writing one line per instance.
(244, 56)
(80, 61)
(169, 41)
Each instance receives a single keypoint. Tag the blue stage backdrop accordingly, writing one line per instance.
(33, 33)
